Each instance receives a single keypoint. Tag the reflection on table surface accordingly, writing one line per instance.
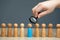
(28, 38)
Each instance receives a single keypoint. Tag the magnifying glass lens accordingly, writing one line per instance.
(33, 19)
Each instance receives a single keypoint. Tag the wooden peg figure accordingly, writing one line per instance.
(29, 33)
(9, 30)
(22, 30)
(50, 30)
(15, 30)
(36, 32)
(43, 30)
(3, 30)
(58, 30)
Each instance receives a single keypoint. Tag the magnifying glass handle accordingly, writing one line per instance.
(40, 12)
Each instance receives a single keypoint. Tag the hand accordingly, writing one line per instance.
(48, 6)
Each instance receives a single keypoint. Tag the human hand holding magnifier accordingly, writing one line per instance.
(33, 19)
(42, 9)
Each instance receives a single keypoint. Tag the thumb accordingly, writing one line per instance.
(43, 13)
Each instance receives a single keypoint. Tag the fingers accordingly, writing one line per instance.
(43, 13)
(33, 9)
(43, 8)
(37, 9)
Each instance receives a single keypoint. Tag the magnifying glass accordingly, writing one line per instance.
(33, 19)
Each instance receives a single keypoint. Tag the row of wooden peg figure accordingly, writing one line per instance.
(37, 32)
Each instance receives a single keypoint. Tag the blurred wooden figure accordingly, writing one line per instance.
(22, 30)
(50, 31)
(43, 30)
(3, 30)
(9, 34)
(36, 31)
(58, 30)
(15, 30)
